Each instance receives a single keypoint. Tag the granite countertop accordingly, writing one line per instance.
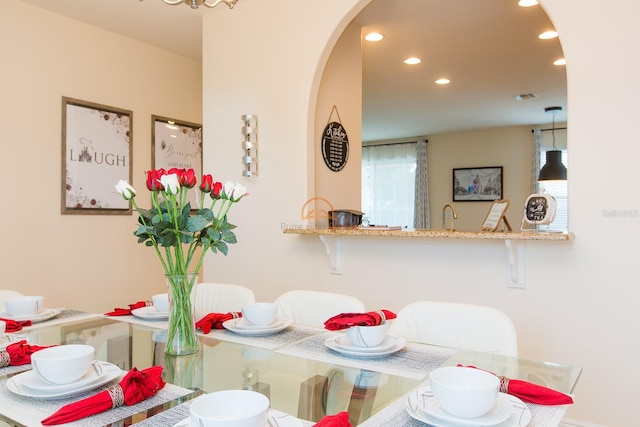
(433, 233)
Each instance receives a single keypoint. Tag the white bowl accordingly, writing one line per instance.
(367, 336)
(62, 364)
(260, 313)
(23, 306)
(230, 408)
(464, 392)
(161, 302)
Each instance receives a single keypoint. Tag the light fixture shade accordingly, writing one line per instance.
(554, 169)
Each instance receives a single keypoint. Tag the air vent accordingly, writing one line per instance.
(524, 96)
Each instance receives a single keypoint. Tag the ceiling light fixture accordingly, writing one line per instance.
(412, 61)
(373, 37)
(560, 61)
(527, 3)
(522, 96)
(208, 3)
(554, 169)
(443, 81)
(551, 34)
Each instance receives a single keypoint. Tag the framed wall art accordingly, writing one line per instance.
(96, 154)
(177, 144)
(479, 184)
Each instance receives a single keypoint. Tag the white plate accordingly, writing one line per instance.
(344, 343)
(398, 345)
(242, 323)
(501, 411)
(8, 339)
(18, 383)
(150, 313)
(282, 419)
(257, 331)
(44, 314)
(520, 415)
(31, 380)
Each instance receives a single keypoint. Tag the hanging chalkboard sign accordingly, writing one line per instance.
(335, 146)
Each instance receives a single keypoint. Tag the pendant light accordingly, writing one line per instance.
(554, 169)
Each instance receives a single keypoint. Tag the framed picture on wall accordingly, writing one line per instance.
(96, 154)
(478, 184)
(177, 144)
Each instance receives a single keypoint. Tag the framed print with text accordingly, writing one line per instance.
(177, 144)
(96, 154)
(477, 184)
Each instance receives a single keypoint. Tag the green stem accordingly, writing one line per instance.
(153, 238)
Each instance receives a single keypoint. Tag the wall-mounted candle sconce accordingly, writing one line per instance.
(250, 145)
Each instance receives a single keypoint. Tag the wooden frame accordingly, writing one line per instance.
(177, 144)
(96, 154)
(478, 184)
(496, 213)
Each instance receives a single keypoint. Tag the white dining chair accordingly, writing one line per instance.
(455, 325)
(5, 294)
(221, 297)
(312, 308)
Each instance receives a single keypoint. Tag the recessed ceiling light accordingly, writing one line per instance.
(412, 61)
(443, 81)
(548, 35)
(560, 61)
(523, 96)
(527, 3)
(373, 37)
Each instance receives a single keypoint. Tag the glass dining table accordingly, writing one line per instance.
(298, 369)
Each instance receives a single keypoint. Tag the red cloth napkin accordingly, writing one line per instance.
(532, 393)
(347, 320)
(215, 320)
(341, 419)
(135, 387)
(18, 353)
(126, 311)
(15, 326)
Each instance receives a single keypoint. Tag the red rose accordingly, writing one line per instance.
(153, 179)
(207, 183)
(216, 193)
(188, 179)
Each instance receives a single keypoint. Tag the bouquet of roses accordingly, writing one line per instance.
(182, 235)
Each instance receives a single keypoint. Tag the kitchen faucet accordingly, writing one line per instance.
(455, 216)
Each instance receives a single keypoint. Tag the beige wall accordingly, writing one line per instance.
(576, 307)
(83, 261)
(341, 87)
(510, 148)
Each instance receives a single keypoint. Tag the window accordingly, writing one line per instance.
(388, 183)
(558, 189)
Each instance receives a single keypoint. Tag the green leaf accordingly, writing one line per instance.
(229, 237)
(206, 214)
(196, 223)
(222, 247)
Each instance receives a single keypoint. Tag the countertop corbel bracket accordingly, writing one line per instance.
(333, 246)
(515, 263)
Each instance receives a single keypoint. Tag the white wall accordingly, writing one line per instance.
(578, 307)
(91, 262)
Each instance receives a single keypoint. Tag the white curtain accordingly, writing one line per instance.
(535, 168)
(422, 217)
(388, 183)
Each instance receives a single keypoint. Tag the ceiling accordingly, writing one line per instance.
(489, 50)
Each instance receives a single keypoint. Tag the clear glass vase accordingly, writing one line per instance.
(181, 336)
